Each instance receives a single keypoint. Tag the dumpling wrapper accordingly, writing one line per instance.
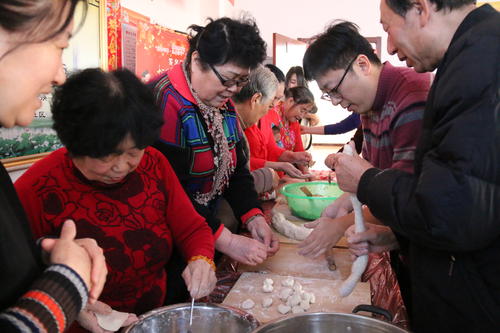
(113, 321)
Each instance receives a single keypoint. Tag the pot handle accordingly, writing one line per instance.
(373, 309)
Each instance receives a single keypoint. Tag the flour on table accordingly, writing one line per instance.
(289, 229)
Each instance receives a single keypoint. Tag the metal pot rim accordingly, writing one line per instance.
(340, 314)
(247, 316)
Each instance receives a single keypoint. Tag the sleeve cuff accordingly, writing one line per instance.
(250, 213)
(218, 232)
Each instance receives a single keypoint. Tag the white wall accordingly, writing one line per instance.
(179, 14)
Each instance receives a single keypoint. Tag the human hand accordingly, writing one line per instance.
(348, 169)
(327, 232)
(291, 170)
(200, 278)
(262, 232)
(376, 238)
(240, 248)
(340, 207)
(301, 157)
(83, 256)
(98, 270)
(88, 320)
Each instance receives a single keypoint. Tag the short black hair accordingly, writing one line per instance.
(226, 40)
(335, 48)
(299, 73)
(400, 7)
(94, 111)
(277, 72)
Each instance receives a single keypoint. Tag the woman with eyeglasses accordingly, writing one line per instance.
(201, 136)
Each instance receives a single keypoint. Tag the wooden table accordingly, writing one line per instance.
(379, 276)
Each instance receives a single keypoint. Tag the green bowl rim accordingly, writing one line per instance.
(295, 196)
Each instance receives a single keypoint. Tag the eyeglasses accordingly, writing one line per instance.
(231, 82)
(334, 95)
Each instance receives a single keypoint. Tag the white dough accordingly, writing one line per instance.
(112, 322)
(289, 229)
(293, 300)
(267, 302)
(359, 265)
(288, 282)
(269, 281)
(305, 305)
(297, 287)
(247, 304)
(283, 309)
(297, 309)
(285, 293)
(267, 288)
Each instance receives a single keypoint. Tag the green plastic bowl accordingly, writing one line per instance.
(310, 208)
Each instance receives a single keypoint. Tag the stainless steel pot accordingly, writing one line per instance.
(324, 322)
(209, 318)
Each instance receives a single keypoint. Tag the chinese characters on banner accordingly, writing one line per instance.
(146, 48)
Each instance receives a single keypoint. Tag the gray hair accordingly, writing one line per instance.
(261, 80)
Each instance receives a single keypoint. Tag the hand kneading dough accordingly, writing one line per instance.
(247, 304)
(113, 321)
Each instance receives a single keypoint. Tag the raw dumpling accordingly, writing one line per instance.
(247, 304)
(283, 309)
(267, 302)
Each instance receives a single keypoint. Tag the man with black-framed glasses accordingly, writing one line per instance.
(390, 100)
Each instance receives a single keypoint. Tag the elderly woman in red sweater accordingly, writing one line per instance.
(252, 104)
(119, 191)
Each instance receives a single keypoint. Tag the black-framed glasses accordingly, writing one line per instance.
(231, 82)
(334, 93)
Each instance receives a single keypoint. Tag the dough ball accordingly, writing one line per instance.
(267, 288)
(247, 304)
(267, 302)
(297, 287)
(283, 309)
(285, 293)
(305, 296)
(269, 281)
(293, 300)
(305, 305)
(113, 321)
(288, 282)
(297, 309)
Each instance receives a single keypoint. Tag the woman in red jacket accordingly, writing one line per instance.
(119, 191)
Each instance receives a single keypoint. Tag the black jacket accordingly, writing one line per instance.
(448, 214)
